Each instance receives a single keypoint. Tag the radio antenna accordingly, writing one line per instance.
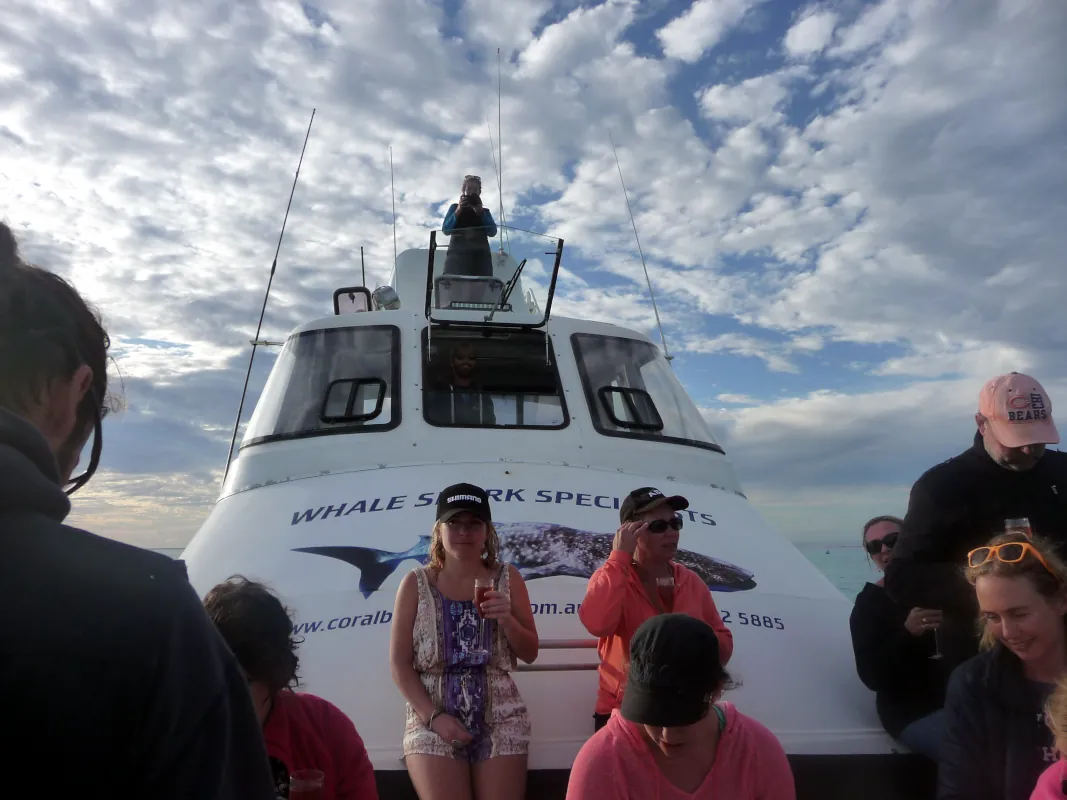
(266, 296)
(500, 144)
(392, 191)
(651, 294)
(363, 266)
(496, 170)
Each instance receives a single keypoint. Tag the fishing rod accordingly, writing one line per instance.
(266, 296)
(651, 294)
(500, 144)
(392, 191)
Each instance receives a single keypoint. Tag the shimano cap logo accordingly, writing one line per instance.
(456, 497)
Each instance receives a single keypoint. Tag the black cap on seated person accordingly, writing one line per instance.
(462, 497)
(674, 672)
(645, 499)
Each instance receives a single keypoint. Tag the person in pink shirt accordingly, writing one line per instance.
(672, 739)
(301, 731)
(1052, 785)
(638, 581)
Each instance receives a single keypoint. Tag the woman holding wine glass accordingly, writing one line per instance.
(639, 580)
(996, 743)
(897, 653)
(459, 625)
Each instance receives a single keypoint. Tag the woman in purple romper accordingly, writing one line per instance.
(467, 733)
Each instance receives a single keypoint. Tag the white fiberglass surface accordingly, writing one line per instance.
(336, 547)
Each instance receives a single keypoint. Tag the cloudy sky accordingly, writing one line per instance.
(854, 212)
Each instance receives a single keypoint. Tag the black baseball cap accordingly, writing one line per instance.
(645, 499)
(463, 497)
(674, 671)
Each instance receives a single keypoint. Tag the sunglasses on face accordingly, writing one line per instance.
(874, 547)
(661, 525)
(1010, 553)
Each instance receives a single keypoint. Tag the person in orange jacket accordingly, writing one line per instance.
(638, 581)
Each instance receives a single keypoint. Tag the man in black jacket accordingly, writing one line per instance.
(113, 681)
(962, 503)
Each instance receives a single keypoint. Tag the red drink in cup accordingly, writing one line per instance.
(479, 595)
(482, 586)
(307, 784)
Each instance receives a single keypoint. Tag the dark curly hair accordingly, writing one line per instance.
(258, 629)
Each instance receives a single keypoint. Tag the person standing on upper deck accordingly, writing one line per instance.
(960, 504)
(470, 225)
(638, 581)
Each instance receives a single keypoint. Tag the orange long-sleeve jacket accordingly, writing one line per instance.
(616, 605)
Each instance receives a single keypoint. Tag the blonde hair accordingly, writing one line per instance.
(437, 547)
(1056, 711)
(1049, 583)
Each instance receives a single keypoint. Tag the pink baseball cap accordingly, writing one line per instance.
(1019, 410)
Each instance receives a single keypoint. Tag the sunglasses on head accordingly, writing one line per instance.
(874, 547)
(1009, 553)
(661, 525)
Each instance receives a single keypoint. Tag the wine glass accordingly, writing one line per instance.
(937, 644)
(665, 589)
(482, 586)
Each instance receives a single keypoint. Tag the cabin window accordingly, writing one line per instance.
(333, 380)
(632, 392)
(507, 380)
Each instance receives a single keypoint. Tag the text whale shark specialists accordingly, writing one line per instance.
(536, 550)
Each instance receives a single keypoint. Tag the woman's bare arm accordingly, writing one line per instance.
(402, 649)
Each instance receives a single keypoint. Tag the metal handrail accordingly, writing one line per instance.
(562, 644)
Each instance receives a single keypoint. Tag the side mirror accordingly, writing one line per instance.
(630, 408)
(353, 400)
(351, 299)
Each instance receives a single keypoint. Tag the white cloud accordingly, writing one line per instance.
(811, 34)
(737, 399)
(756, 98)
(689, 36)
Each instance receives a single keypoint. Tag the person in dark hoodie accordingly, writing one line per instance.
(961, 503)
(996, 743)
(112, 678)
(895, 648)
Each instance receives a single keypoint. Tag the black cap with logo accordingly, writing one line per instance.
(463, 497)
(675, 672)
(645, 499)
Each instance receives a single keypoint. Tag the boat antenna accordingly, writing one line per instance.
(492, 151)
(500, 144)
(625, 194)
(266, 295)
(392, 191)
(362, 266)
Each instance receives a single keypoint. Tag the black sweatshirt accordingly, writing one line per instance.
(893, 663)
(957, 506)
(113, 680)
(995, 743)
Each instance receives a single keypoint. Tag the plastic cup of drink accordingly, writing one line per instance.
(1018, 525)
(307, 784)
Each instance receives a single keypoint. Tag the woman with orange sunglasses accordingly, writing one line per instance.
(996, 743)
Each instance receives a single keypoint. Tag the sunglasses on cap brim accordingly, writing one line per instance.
(1008, 553)
(661, 525)
(874, 547)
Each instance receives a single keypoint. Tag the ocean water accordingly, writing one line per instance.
(845, 565)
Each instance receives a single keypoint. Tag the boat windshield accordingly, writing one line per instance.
(508, 380)
(632, 392)
(335, 380)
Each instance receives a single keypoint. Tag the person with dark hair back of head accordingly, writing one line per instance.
(109, 660)
(671, 728)
(302, 731)
(895, 650)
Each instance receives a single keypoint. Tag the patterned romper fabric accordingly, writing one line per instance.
(473, 687)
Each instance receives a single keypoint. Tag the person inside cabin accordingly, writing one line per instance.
(467, 732)
(460, 400)
(1052, 785)
(111, 673)
(639, 580)
(301, 731)
(894, 649)
(958, 505)
(470, 226)
(672, 737)
(995, 744)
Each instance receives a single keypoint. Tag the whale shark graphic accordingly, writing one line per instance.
(537, 550)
